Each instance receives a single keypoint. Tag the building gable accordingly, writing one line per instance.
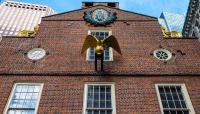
(78, 14)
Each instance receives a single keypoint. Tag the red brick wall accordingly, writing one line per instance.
(62, 36)
(134, 95)
(64, 41)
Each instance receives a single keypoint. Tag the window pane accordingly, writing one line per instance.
(89, 103)
(183, 104)
(96, 112)
(102, 104)
(37, 89)
(90, 96)
(96, 96)
(24, 89)
(161, 90)
(180, 96)
(19, 88)
(106, 34)
(97, 34)
(108, 96)
(31, 89)
(22, 95)
(28, 96)
(166, 112)
(96, 104)
(173, 89)
(177, 103)
(102, 96)
(172, 112)
(169, 96)
(93, 33)
(34, 96)
(108, 89)
(165, 104)
(89, 112)
(103, 112)
(175, 96)
(96, 89)
(109, 112)
(108, 104)
(162, 96)
(107, 58)
(16, 96)
(102, 89)
(91, 53)
(90, 89)
(171, 104)
(179, 112)
(178, 89)
(167, 90)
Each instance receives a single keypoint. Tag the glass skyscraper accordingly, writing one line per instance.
(18, 16)
(172, 21)
(192, 21)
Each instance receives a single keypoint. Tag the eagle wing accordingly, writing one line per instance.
(90, 41)
(111, 41)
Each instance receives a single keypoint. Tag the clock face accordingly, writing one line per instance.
(36, 54)
(100, 15)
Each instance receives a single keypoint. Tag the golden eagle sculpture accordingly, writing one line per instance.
(100, 46)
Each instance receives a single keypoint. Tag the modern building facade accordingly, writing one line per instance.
(192, 21)
(47, 74)
(172, 21)
(17, 16)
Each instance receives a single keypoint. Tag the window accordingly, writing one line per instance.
(174, 99)
(193, 34)
(24, 98)
(36, 53)
(91, 51)
(162, 54)
(112, 4)
(88, 4)
(197, 24)
(99, 99)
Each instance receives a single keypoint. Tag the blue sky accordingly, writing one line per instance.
(147, 7)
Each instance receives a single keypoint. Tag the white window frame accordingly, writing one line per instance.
(185, 95)
(110, 49)
(13, 92)
(112, 84)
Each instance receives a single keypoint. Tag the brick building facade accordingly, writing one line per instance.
(59, 80)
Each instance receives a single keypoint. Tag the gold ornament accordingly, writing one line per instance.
(100, 45)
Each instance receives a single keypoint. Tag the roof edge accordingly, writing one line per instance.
(16, 37)
(98, 74)
(98, 6)
(182, 38)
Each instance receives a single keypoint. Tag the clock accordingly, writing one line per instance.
(36, 54)
(100, 15)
